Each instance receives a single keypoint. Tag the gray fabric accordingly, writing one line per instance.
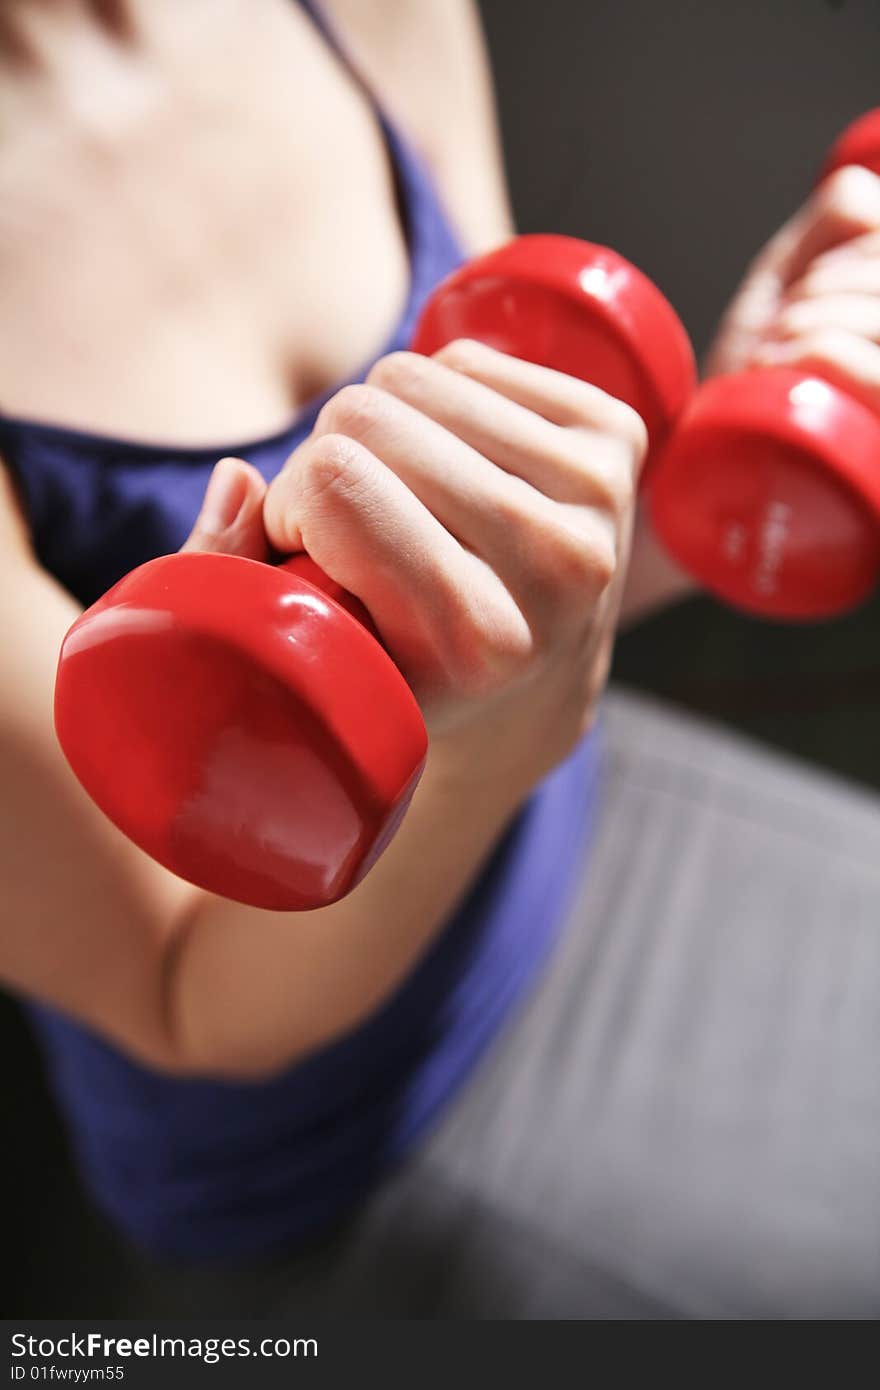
(684, 1120)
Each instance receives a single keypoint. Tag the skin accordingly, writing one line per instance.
(812, 296)
(481, 508)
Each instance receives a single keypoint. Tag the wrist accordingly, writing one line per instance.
(480, 773)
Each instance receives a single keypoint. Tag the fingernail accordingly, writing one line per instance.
(224, 497)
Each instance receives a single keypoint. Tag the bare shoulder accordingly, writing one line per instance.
(427, 60)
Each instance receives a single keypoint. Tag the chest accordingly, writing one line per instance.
(197, 259)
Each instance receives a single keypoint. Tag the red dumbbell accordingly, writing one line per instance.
(241, 722)
(769, 490)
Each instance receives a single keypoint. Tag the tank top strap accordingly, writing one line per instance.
(432, 238)
(338, 47)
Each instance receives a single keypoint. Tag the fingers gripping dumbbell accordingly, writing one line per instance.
(242, 722)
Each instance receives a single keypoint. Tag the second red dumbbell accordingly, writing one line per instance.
(769, 490)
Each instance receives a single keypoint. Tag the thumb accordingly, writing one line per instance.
(230, 521)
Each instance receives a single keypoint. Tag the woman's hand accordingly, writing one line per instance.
(480, 507)
(812, 297)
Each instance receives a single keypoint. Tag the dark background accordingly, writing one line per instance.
(681, 133)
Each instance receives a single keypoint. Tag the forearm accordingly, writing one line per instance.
(248, 991)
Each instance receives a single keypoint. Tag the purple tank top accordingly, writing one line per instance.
(199, 1168)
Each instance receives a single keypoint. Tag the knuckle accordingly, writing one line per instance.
(577, 561)
(354, 410)
(834, 193)
(398, 371)
(600, 565)
(849, 193)
(632, 430)
(509, 649)
(603, 470)
(612, 474)
(564, 552)
(833, 189)
(601, 413)
(462, 354)
(489, 651)
(331, 465)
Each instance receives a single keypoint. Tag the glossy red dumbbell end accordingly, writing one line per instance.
(769, 494)
(241, 725)
(575, 307)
